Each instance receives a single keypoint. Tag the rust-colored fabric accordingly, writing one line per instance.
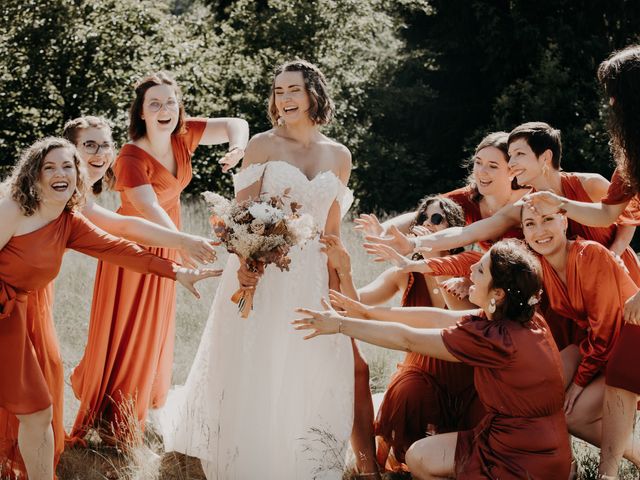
(129, 352)
(426, 393)
(621, 192)
(573, 189)
(458, 265)
(622, 371)
(518, 376)
(32, 375)
(465, 198)
(594, 296)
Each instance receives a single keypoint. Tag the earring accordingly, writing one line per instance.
(492, 305)
(280, 121)
(545, 169)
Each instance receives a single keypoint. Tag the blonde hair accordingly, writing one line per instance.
(23, 181)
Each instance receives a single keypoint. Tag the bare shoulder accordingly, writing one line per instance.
(11, 212)
(259, 148)
(594, 184)
(342, 158)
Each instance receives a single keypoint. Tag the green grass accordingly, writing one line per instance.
(74, 288)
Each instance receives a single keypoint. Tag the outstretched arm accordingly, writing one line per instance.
(235, 131)
(418, 317)
(591, 214)
(150, 234)
(387, 335)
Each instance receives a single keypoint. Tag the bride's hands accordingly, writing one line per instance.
(188, 277)
(248, 278)
(326, 322)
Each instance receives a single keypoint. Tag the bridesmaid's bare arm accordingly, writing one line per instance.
(145, 200)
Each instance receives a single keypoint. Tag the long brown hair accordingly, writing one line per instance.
(137, 126)
(23, 182)
(620, 76)
(496, 140)
(70, 132)
(322, 107)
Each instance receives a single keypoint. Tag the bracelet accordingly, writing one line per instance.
(561, 208)
(345, 274)
(340, 326)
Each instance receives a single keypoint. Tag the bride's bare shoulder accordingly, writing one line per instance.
(340, 155)
(259, 148)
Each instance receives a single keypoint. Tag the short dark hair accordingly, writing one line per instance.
(137, 126)
(516, 270)
(322, 107)
(453, 214)
(70, 132)
(540, 136)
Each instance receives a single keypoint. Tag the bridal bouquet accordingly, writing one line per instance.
(258, 231)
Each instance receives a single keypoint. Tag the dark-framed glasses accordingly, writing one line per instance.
(156, 106)
(93, 148)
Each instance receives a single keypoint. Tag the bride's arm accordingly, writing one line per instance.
(332, 227)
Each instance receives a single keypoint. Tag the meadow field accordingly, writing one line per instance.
(73, 293)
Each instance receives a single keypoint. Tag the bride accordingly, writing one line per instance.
(259, 402)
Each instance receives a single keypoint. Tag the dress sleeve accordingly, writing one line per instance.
(248, 176)
(603, 306)
(479, 342)
(195, 130)
(131, 171)
(344, 198)
(90, 240)
(458, 265)
(620, 192)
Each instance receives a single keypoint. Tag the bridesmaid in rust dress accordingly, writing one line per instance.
(39, 206)
(518, 373)
(129, 355)
(425, 394)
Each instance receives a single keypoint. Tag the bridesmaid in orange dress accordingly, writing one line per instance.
(92, 136)
(129, 354)
(619, 75)
(39, 207)
(518, 372)
(425, 394)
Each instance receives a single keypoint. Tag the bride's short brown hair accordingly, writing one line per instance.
(322, 107)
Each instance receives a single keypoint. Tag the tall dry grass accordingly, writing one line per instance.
(72, 304)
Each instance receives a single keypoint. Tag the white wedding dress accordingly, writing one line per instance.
(260, 402)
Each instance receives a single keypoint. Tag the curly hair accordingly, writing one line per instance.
(24, 178)
(516, 270)
(540, 136)
(453, 214)
(137, 126)
(322, 108)
(70, 132)
(619, 76)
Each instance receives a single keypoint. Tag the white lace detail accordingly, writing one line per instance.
(259, 401)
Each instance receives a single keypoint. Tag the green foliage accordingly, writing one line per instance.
(416, 82)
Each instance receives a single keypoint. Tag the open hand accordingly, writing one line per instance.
(198, 249)
(457, 286)
(326, 322)
(396, 240)
(188, 277)
(350, 307)
(231, 159)
(368, 224)
(541, 202)
(385, 253)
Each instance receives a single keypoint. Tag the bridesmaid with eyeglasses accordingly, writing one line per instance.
(129, 354)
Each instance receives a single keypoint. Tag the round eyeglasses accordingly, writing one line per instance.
(93, 148)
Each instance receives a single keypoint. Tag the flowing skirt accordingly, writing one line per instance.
(260, 402)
